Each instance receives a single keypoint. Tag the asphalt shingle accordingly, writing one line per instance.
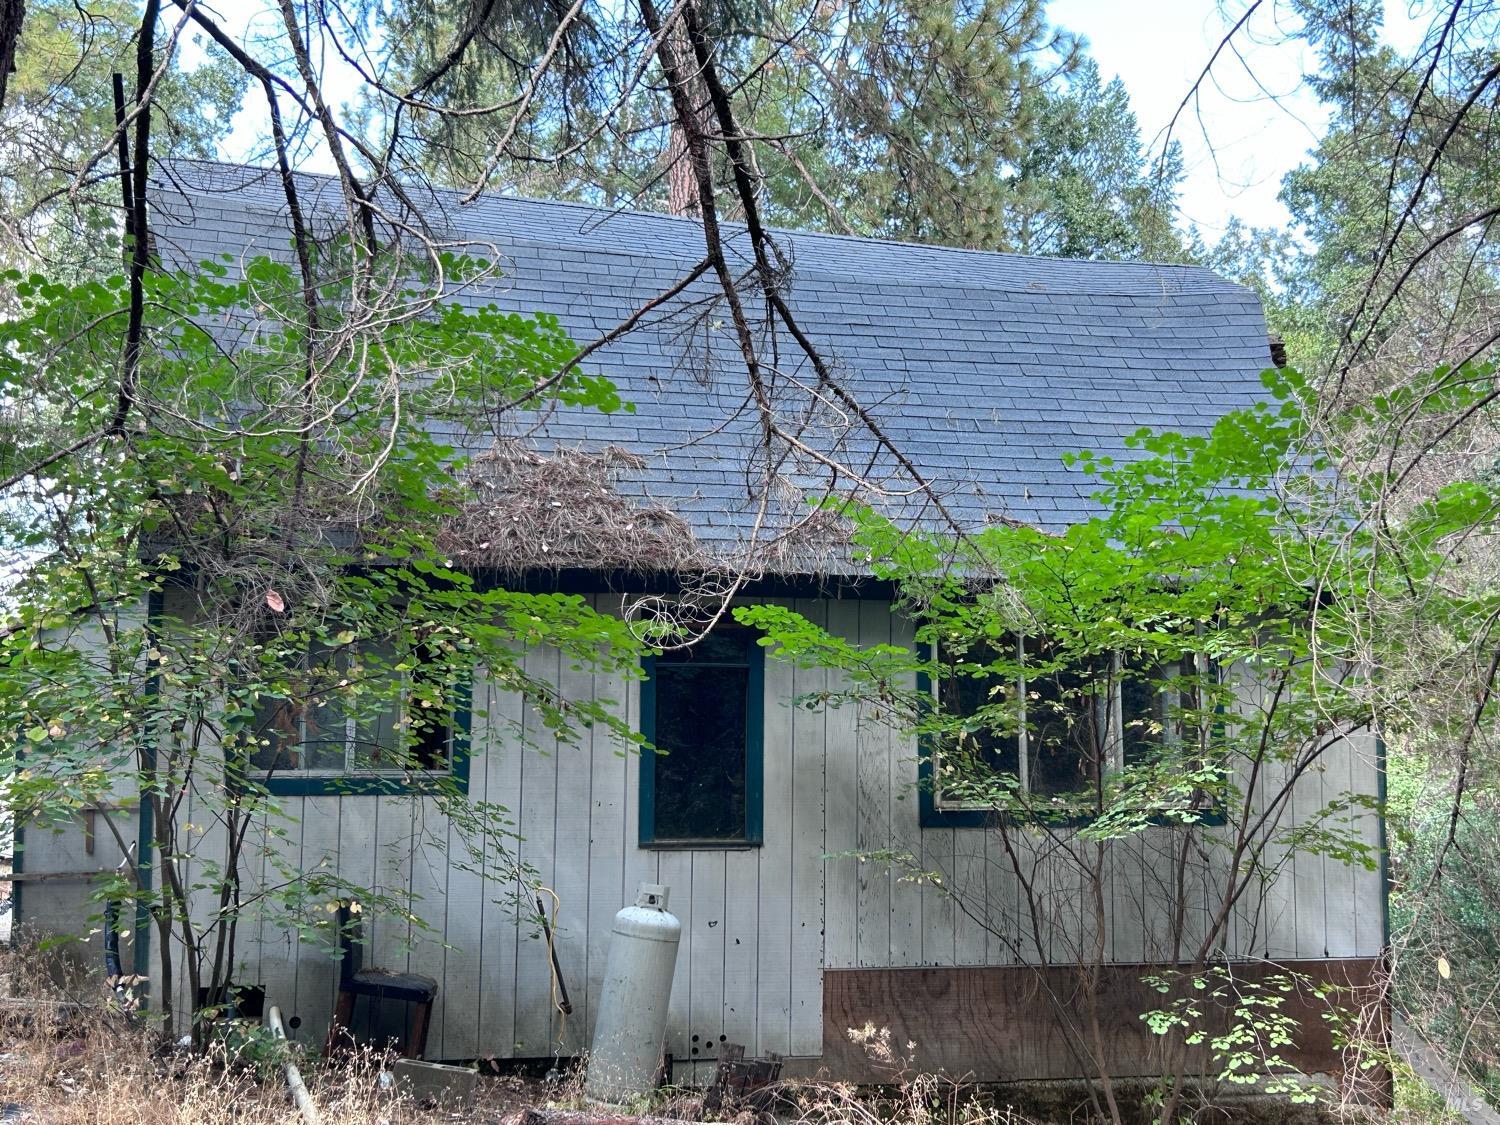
(984, 369)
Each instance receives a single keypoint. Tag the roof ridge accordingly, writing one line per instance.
(1145, 270)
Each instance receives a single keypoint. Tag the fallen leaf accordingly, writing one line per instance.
(1445, 970)
(273, 599)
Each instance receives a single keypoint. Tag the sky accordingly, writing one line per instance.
(1254, 120)
(1259, 132)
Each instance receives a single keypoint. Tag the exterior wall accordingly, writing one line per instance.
(999, 1023)
(58, 862)
(750, 964)
(761, 924)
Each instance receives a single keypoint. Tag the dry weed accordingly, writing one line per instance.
(71, 1054)
(912, 1097)
(919, 1099)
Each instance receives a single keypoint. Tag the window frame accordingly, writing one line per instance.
(935, 813)
(389, 782)
(755, 705)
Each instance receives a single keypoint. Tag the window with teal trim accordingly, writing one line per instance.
(1048, 730)
(701, 709)
(1056, 734)
(369, 721)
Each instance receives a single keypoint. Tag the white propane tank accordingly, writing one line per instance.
(632, 1022)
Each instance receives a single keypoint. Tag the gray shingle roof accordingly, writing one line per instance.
(984, 369)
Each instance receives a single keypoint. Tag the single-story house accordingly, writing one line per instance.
(983, 369)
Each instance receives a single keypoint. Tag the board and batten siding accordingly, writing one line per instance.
(760, 925)
(749, 968)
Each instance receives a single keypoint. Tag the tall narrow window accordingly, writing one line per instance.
(701, 708)
(986, 744)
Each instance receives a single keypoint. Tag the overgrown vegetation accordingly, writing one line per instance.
(1390, 303)
(1152, 687)
(249, 451)
(290, 565)
(69, 1052)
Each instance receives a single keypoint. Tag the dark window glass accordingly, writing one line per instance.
(702, 697)
(1067, 713)
(986, 743)
(1064, 715)
(411, 730)
(1158, 702)
(278, 725)
(1143, 711)
(1061, 710)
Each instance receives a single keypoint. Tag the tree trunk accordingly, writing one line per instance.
(682, 182)
(12, 15)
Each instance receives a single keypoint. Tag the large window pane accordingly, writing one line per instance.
(986, 743)
(1064, 716)
(386, 728)
(1143, 710)
(1052, 728)
(700, 777)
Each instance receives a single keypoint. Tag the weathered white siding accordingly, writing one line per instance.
(759, 925)
(749, 968)
(59, 848)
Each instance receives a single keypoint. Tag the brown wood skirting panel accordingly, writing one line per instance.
(997, 1024)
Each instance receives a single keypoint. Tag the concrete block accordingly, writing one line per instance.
(451, 1086)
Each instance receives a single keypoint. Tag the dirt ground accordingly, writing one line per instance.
(70, 1054)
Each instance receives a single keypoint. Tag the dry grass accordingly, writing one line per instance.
(918, 1100)
(70, 1053)
(107, 1075)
